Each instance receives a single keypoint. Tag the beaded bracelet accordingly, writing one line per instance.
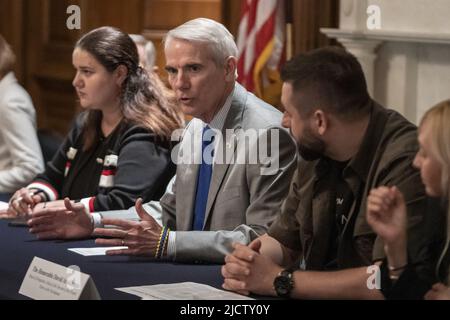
(397, 268)
(164, 240)
(159, 242)
(395, 277)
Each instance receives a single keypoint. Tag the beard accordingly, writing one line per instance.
(310, 147)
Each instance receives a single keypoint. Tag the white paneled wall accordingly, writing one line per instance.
(407, 60)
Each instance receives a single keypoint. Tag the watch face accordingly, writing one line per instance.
(283, 285)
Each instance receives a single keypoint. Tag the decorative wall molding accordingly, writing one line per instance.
(407, 61)
(388, 36)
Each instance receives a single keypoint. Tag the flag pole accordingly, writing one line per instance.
(289, 29)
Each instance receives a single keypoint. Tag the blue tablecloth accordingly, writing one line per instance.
(18, 248)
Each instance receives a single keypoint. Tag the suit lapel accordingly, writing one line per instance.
(187, 175)
(219, 171)
(224, 153)
(186, 187)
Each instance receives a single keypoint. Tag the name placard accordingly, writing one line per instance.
(46, 280)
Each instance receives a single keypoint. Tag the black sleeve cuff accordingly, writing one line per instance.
(408, 286)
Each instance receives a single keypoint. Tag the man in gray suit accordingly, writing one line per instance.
(227, 188)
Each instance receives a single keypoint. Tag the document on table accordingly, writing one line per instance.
(97, 251)
(13, 221)
(4, 205)
(182, 291)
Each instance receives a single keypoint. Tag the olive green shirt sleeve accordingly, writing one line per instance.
(286, 227)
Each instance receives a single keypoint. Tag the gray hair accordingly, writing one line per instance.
(138, 38)
(149, 50)
(150, 54)
(219, 39)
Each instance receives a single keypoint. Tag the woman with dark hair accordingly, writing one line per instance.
(119, 148)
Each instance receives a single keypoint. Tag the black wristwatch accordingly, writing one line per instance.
(284, 283)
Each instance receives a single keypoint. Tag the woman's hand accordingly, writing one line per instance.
(438, 292)
(386, 214)
(22, 202)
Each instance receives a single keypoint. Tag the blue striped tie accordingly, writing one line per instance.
(203, 181)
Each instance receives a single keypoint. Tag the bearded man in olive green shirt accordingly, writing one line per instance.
(349, 145)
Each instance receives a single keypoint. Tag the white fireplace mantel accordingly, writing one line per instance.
(388, 36)
(407, 61)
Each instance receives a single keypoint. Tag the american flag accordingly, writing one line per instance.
(261, 44)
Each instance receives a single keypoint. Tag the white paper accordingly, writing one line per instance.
(182, 291)
(4, 205)
(96, 251)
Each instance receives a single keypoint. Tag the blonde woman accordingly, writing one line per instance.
(386, 213)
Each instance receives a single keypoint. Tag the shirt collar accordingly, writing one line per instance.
(363, 159)
(361, 162)
(219, 119)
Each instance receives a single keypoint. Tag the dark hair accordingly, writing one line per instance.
(330, 78)
(144, 98)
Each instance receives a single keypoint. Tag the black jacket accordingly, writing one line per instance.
(130, 163)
